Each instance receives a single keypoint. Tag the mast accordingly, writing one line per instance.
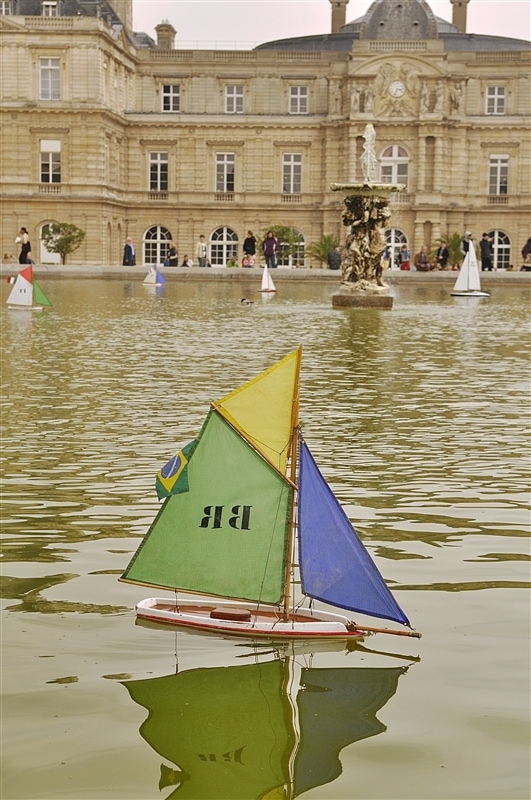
(293, 477)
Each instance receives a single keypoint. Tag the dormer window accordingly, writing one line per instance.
(50, 8)
(6, 8)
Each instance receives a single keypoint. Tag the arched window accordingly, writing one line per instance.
(394, 165)
(292, 253)
(223, 245)
(394, 239)
(501, 245)
(45, 257)
(155, 244)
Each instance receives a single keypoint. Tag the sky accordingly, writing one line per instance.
(242, 24)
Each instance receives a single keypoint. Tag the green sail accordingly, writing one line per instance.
(39, 296)
(226, 536)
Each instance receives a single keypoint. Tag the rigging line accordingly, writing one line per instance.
(283, 489)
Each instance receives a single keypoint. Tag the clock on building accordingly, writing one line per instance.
(397, 89)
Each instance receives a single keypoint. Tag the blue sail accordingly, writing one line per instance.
(335, 567)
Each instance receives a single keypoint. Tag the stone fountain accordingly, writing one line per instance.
(366, 212)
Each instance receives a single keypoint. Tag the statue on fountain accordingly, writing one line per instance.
(366, 213)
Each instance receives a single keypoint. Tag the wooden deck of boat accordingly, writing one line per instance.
(256, 616)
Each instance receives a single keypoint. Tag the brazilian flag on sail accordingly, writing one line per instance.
(173, 477)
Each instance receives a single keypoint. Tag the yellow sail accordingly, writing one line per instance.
(265, 410)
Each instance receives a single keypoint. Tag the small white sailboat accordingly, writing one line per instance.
(26, 293)
(468, 283)
(154, 277)
(267, 282)
(236, 498)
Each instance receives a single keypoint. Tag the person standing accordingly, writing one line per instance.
(334, 258)
(465, 242)
(129, 259)
(25, 249)
(526, 257)
(249, 244)
(201, 251)
(443, 254)
(404, 258)
(270, 248)
(485, 248)
(172, 255)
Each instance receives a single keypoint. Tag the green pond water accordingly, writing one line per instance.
(418, 418)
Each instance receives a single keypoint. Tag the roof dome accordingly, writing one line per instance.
(390, 20)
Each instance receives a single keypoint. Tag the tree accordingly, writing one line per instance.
(319, 250)
(453, 243)
(63, 238)
(290, 241)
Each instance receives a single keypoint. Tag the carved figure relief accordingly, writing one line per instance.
(456, 97)
(439, 98)
(424, 98)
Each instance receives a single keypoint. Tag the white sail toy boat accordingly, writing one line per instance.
(26, 293)
(267, 282)
(236, 498)
(468, 283)
(154, 277)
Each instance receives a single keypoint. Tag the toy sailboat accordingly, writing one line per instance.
(227, 528)
(302, 716)
(267, 281)
(154, 277)
(468, 283)
(26, 293)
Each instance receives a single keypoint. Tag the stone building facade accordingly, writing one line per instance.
(125, 136)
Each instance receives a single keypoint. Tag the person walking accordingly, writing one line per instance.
(485, 248)
(201, 251)
(25, 249)
(270, 248)
(249, 244)
(442, 256)
(129, 259)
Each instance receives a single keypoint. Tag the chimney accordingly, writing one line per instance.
(165, 35)
(459, 14)
(124, 9)
(339, 14)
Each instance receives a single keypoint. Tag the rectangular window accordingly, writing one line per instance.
(5, 8)
(291, 173)
(158, 172)
(225, 172)
(234, 99)
(171, 98)
(49, 8)
(50, 79)
(495, 100)
(498, 174)
(50, 161)
(298, 99)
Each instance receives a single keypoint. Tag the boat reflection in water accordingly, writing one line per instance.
(269, 730)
